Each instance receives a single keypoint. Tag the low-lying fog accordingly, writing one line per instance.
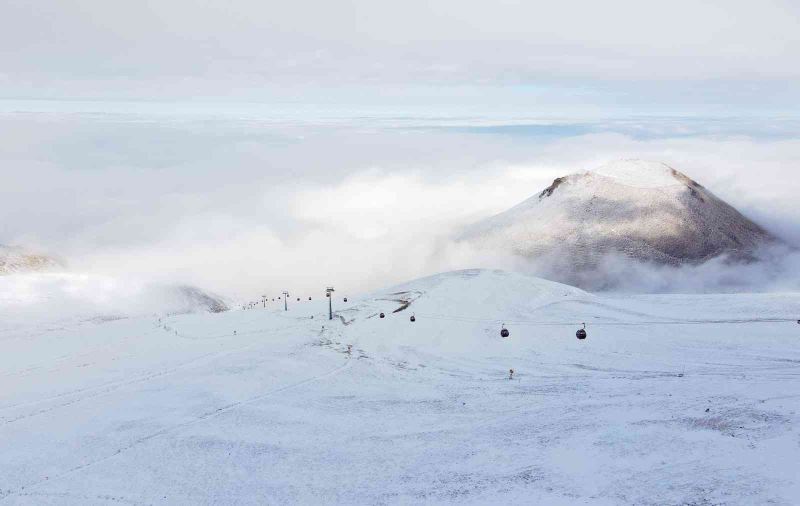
(254, 204)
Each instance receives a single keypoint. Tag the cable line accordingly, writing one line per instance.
(470, 319)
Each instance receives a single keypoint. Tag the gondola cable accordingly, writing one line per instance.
(468, 319)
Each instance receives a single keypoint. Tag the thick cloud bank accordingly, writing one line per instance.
(255, 205)
(61, 297)
(775, 268)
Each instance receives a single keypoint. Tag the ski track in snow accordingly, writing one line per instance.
(110, 386)
(700, 410)
(203, 417)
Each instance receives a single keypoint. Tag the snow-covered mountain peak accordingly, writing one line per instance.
(641, 173)
(646, 211)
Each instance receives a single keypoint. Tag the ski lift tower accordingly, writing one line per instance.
(285, 298)
(264, 300)
(328, 293)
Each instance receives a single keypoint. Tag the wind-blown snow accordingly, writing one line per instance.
(269, 407)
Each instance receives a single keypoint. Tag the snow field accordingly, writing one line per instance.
(130, 412)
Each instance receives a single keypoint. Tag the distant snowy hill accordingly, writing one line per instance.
(39, 287)
(62, 296)
(58, 297)
(14, 259)
(642, 210)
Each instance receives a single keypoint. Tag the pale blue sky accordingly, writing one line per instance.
(504, 57)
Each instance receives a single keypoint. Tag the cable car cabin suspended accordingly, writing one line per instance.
(345, 299)
(383, 315)
(413, 318)
(298, 299)
(581, 333)
(504, 331)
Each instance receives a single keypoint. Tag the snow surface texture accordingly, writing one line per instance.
(642, 210)
(269, 407)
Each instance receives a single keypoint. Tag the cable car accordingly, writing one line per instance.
(383, 315)
(581, 333)
(309, 298)
(298, 299)
(345, 299)
(504, 331)
(413, 318)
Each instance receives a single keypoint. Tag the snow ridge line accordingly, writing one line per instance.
(205, 416)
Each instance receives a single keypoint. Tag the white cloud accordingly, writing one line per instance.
(240, 205)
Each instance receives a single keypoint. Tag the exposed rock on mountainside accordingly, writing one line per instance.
(15, 260)
(197, 300)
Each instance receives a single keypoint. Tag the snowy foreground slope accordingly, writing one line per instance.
(182, 411)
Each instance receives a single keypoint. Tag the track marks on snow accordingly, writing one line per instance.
(208, 415)
(112, 386)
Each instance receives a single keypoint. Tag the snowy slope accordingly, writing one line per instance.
(268, 407)
(642, 210)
